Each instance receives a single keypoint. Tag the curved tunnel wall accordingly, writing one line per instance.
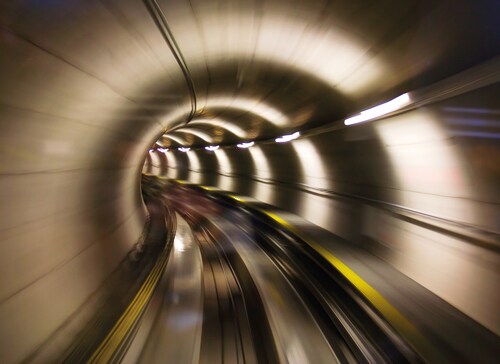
(419, 190)
(88, 86)
(74, 201)
(73, 142)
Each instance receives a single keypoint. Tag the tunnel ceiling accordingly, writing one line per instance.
(270, 68)
(259, 68)
(88, 86)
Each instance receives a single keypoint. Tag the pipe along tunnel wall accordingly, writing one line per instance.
(87, 87)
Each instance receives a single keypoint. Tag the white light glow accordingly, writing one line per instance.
(184, 149)
(225, 182)
(245, 145)
(234, 129)
(212, 148)
(172, 171)
(315, 176)
(174, 138)
(263, 191)
(379, 110)
(334, 54)
(341, 58)
(429, 171)
(147, 164)
(179, 243)
(162, 150)
(194, 132)
(287, 138)
(155, 162)
(194, 167)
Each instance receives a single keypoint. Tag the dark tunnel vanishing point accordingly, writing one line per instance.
(389, 162)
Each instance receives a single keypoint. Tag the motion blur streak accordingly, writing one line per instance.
(425, 162)
(379, 110)
(155, 162)
(253, 106)
(314, 176)
(225, 181)
(172, 165)
(263, 172)
(409, 201)
(285, 40)
(175, 139)
(195, 132)
(239, 132)
(432, 177)
(194, 167)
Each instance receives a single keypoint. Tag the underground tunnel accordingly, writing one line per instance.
(261, 181)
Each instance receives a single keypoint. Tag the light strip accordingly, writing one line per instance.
(184, 149)
(287, 138)
(379, 110)
(245, 145)
(212, 148)
(162, 150)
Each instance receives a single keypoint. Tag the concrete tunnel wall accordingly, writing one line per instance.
(72, 190)
(437, 164)
(85, 88)
(73, 140)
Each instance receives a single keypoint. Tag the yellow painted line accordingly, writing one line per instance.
(118, 333)
(402, 325)
(395, 318)
(279, 220)
(237, 198)
(110, 344)
(208, 188)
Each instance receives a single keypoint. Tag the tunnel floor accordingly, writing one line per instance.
(246, 282)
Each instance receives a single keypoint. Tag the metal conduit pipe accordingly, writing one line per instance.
(87, 87)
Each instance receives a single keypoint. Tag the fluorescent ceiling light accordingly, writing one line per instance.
(379, 110)
(287, 138)
(184, 149)
(212, 147)
(245, 145)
